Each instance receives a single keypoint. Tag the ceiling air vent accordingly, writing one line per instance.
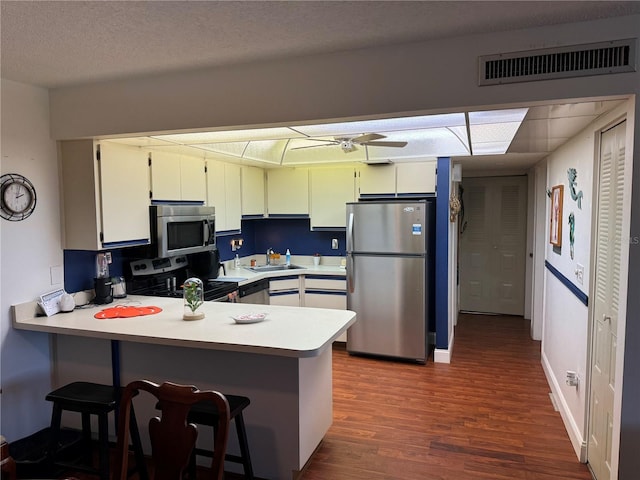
(616, 56)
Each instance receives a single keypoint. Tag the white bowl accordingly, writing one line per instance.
(249, 318)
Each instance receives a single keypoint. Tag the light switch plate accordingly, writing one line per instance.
(55, 274)
(334, 243)
(580, 274)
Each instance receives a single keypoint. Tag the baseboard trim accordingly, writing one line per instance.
(577, 441)
(443, 355)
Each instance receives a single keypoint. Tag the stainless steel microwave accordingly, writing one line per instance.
(182, 229)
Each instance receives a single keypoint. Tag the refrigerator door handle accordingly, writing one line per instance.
(350, 233)
(350, 274)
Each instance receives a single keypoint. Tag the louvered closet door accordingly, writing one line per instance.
(606, 299)
(492, 245)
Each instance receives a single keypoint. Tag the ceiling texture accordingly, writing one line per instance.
(69, 43)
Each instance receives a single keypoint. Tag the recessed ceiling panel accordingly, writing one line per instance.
(497, 116)
(421, 143)
(234, 149)
(382, 126)
(268, 151)
(275, 133)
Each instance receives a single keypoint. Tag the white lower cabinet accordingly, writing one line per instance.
(288, 298)
(317, 291)
(323, 291)
(285, 291)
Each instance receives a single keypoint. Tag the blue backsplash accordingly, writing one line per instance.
(257, 236)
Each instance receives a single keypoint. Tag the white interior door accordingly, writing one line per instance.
(493, 244)
(606, 300)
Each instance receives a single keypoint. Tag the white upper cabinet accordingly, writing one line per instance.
(416, 177)
(330, 190)
(397, 179)
(177, 177)
(193, 180)
(288, 191)
(252, 189)
(105, 195)
(223, 193)
(377, 180)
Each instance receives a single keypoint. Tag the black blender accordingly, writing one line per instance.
(102, 283)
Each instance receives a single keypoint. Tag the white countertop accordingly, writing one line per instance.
(244, 276)
(286, 331)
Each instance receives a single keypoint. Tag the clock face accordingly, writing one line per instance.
(18, 199)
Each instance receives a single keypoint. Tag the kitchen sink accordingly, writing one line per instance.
(273, 268)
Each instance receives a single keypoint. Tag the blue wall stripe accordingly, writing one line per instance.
(567, 283)
(178, 202)
(416, 195)
(326, 292)
(128, 243)
(323, 277)
(442, 253)
(284, 293)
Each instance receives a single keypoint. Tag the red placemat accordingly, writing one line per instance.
(124, 311)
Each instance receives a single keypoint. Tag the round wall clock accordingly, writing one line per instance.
(17, 197)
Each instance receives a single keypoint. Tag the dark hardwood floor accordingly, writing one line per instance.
(487, 415)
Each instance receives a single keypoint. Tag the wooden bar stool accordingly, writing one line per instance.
(7, 464)
(206, 413)
(89, 399)
(172, 437)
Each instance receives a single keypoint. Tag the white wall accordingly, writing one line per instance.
(29, 249)
(566, 320)
(539, 173)
(370, 82)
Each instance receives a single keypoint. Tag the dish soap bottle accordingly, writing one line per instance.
(236, 262)
(288, 257)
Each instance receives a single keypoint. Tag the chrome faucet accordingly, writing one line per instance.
(269, 253)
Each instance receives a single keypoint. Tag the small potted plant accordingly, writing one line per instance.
(193, 294)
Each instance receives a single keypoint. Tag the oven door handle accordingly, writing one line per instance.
(228, 298)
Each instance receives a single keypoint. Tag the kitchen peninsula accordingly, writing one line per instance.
(283, 364)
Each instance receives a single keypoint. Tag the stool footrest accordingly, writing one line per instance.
(77, 466)
(228, 457)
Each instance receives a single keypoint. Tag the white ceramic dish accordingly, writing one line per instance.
(249, 318)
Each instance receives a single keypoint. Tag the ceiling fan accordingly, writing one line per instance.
(348, 144)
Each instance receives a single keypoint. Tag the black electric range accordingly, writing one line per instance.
(163, 277)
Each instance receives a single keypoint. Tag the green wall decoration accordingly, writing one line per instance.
(572, 173)
(572, 226)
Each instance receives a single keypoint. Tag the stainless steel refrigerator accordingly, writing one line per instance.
(390, 277)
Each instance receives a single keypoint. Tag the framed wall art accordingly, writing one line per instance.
(555, 224)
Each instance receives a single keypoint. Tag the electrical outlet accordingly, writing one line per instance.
(334, 243)
(580, 274)
(108, 256)
(572, 379)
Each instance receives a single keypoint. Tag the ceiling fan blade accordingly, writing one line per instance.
(384, 144)
(367, 137)
(320, 140)
(332, 144)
